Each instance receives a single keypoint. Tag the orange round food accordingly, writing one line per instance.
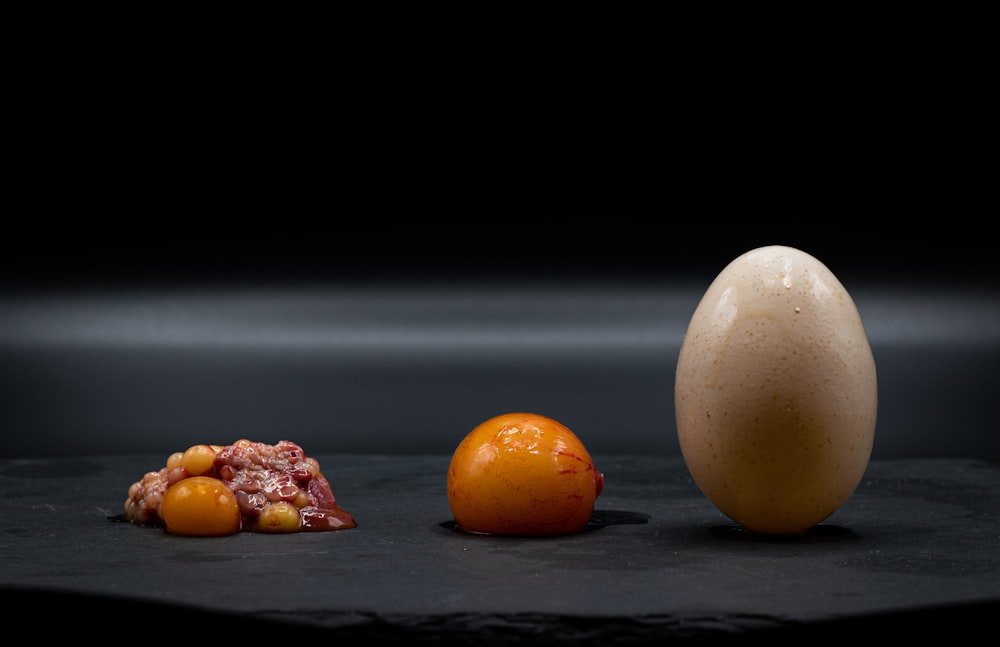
(522, 474)
(200, 505)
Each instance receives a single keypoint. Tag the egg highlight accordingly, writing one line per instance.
(775, 392)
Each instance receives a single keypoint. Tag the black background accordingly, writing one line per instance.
(590, 154)
(417, 142)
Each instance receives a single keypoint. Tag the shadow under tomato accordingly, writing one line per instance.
(599, 519)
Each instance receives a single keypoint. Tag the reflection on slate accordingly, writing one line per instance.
(396, 368)
(913, 551)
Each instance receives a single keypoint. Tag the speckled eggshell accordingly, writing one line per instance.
(775, 392)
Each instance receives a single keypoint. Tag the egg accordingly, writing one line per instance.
(775, 392)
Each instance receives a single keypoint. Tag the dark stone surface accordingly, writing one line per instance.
(913, 551)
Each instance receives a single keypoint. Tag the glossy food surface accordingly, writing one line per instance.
(522, 474)
(200, 506)
(776, 392)
(274, 488)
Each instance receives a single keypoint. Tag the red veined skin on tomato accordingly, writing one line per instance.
(522, 474)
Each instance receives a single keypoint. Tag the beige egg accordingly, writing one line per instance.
(776, 393)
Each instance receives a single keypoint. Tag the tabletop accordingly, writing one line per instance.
(915, 549)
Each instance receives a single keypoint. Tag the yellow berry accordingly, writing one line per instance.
(174, 460)
(200, 505)
(279, 517)
(199, 459)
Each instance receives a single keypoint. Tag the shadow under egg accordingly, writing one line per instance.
(819, 532)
